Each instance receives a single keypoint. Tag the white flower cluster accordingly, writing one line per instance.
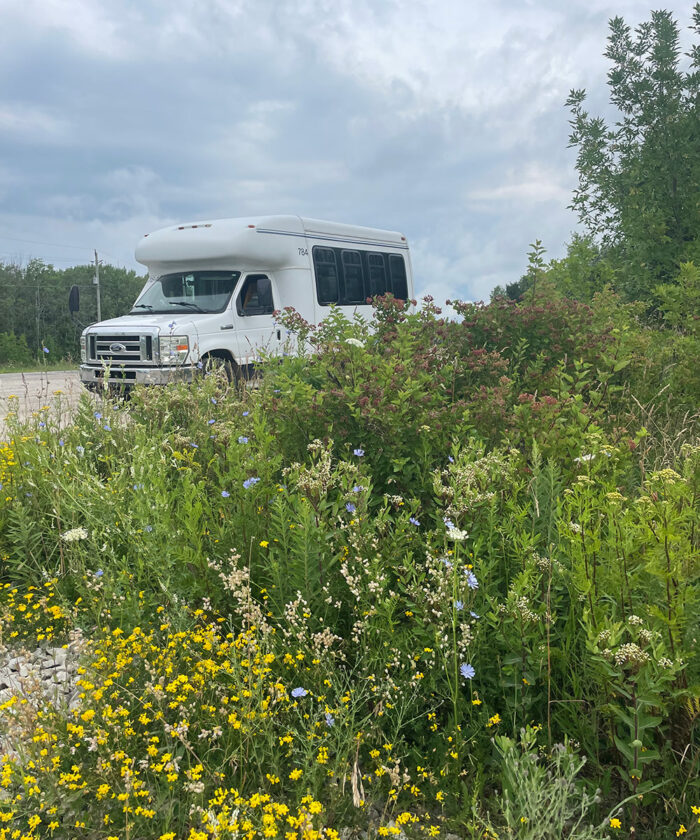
(632, 654)
(74, 535)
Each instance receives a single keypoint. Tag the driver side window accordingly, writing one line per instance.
(255, 296)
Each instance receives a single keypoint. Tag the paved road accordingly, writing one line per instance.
(26, 393)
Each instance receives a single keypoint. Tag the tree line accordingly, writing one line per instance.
(35, 311)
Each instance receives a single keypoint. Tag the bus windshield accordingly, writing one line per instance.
(196, 291)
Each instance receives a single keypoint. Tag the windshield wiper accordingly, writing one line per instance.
(194, 306)
(142, 306)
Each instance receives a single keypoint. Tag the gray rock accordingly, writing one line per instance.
(13, 684)
(42, 673)
(59, 655)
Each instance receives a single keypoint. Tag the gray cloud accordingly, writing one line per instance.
(443, 121)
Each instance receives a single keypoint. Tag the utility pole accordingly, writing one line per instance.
(39, 339)
(96, 282)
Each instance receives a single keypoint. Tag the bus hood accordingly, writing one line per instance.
(157, 323)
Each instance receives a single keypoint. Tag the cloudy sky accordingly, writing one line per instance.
(445, 121)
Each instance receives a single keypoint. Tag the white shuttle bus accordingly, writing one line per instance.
(213, 286)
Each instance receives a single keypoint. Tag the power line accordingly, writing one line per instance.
(51, 245)
(39, 242)
(4, 258)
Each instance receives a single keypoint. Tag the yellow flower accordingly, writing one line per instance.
(615, 823)
(494, 721)
(681, 830)
(264, 543)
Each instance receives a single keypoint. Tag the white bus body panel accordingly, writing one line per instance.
(281, 247)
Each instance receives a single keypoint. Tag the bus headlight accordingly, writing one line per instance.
(83, 348)
(174, 349)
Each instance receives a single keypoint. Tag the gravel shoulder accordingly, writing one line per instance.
(28, 393)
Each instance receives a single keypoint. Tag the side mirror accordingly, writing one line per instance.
(74, 299)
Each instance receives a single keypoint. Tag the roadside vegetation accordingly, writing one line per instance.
(432, 577)
(436, 576)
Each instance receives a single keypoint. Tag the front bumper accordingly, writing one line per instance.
(93, 376)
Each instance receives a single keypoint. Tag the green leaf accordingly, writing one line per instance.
(624, 748)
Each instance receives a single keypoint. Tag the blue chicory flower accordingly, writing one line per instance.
(225, 494)
(449, 524)
(358, 452)
(358, 488)
(459, 605)
(42, 425)
(245, 413)
(243, 439)
(98, 415)
(99, 573)
(299, 692)
(330, 720)
(211, 422)
(80, 450)
(45, 349)
(472, 582)
(467, 671)
(148, 528)
(414, 521)
(61, 442)
(350, 507)
(473, 614)
(107, 427)
(249, 482)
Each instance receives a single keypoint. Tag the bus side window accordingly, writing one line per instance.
(255, 297)
(353, 284)
(397, 268)
(377, 275)
(326, 275)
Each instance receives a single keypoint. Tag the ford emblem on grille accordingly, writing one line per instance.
(117, 347)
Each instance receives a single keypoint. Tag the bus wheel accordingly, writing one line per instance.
(220, 367)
